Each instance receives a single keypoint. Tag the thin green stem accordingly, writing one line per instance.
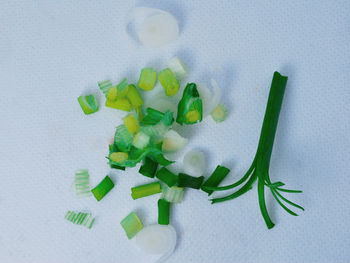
(238, 193)
(287, 201)
(282, 205)
(288, 190)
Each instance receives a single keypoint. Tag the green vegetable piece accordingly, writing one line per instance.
(123, 138)
(152, 117)
(131, 225)
(169, 82)
(148, 168)
(83, 219)
(189, 109)
(114, 148)
(259, 168)
(163, 212)
(167, 177)
(134, 96)
(102, 188)
(220, 113)
(145, 190)
(105, 86)
(88, 104)
(186, 180)
(216, 178)
(173, 194)
(82, 183)
(122, 88)
(148, 78)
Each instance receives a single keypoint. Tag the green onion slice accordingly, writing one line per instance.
(82, 183)
(145, 190)
(169, 82)
(163, 212)
(167, 177)
(148, 168)
(123, 138)
(88, 104)
(219, 114)
(216, 178)
(83, 219)
(189, 110)
(105, 86)
(148, 78)
(102, 188)
(173, 194)
(186, 180)
(131, 225)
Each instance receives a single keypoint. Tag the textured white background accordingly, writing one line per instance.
(53, 51)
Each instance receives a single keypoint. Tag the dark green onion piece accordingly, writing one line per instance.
(167, 177)
(189, 109)
(102, 188)
(186, 180)
(145, 190)
(152, 117)
(216, 178)
(163, 212)
(148, 168)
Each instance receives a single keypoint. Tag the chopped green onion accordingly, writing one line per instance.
(152, 117)
(83, 219)
(122, 88)
(173, 141)
(216, 178)
(163, 212)
(82, 183)
(178, 67)
(186, 180)
(145, 190)
(148, 168)
(148, 78)
(112, 94)
(131, 225)
(134, 96)
(220, 113)
(131, 123)
(118, 157)
(119, 104)
(102, 188)
(167, 177)
(189, 109)
(169, 82)
(141, 140)
(113, 148)
(123, 138)
(173, 194)
(105, 86)
(88, 104)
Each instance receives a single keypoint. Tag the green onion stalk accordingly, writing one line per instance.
(259, 169)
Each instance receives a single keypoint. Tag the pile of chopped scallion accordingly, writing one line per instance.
(146, 135)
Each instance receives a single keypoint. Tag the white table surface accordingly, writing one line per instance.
(53, 51)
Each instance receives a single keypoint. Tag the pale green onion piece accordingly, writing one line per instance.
(178, 67)
(141, 140)
(105, 86)
(123, 138)
(172, 141)
(83, 219)
(157, 240)
(131, 225)
(169, 82)
(148, 78)
(82, 183)
(88, 104)
(122, 89)
(173, 194)
(219, 114)
(194, 163)
(134, 96)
